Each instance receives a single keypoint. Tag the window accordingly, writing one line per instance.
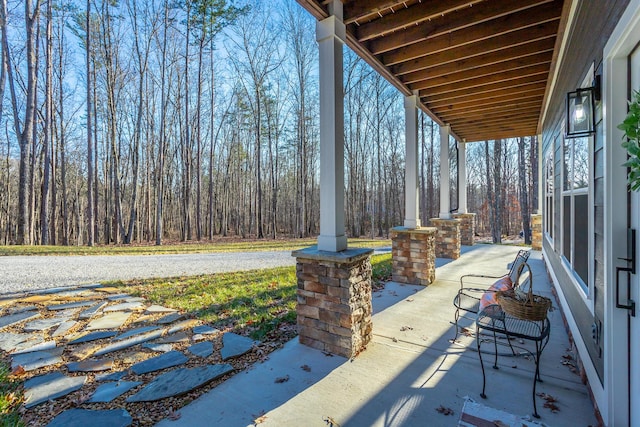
(575, 208)
(548, 194)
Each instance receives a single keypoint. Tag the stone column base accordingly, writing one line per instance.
(413, 255)
(448, 238)
(467, 227)
(334, 299)
(536, 232)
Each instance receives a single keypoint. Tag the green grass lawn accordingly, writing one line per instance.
(256, 303)
(10, 398)
(221, 245)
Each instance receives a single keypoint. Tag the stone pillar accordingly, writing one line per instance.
(330, 34)
(448, 238)
(413, 255)
(334, 299)
(462, 179)
(467, 227)
(536, 232)
(445, 204)
(412, 191)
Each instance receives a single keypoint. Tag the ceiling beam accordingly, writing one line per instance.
(497, 109)
(475, 103)
(537, 88)
(485, 11)
(490, 136)
(485, 30)
(481, 72)
(356, 10)
(416, 14)
(510, 120)
(481, 48)
(541, 71)
(511, 53)
(488, 90)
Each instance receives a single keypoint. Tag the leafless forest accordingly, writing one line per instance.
(127, 121)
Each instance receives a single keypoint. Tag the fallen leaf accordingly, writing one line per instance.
(331, 422)
(444, 411)
(18, 371)
(406, 328)
(305, 368)
(394, 339)
(551, 406)
(410, 300)
(260, 419)
(281, 380)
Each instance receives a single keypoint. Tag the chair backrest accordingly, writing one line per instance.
(521, 258)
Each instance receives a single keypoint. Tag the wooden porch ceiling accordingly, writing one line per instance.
(481, 66)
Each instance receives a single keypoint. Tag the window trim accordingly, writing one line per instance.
(586, 292)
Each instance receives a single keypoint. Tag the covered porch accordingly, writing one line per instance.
(409, 370)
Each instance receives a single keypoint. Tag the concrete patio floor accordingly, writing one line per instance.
(408, 371)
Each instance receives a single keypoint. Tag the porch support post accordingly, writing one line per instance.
(412, 193)
(444, 172)
(330, 34)
(462, 178)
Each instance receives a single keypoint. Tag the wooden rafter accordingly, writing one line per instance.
(481, 66)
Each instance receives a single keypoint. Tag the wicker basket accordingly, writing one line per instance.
(528, 306)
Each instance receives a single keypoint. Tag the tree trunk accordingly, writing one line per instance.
(524, 199)
(90, 207)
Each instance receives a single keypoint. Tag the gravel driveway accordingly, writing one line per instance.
(25, 273)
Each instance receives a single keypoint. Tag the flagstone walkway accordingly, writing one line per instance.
(84, 351)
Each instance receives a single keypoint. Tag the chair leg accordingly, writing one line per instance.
(495, 349)
(484, 379)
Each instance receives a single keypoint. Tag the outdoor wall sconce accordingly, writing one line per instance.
(581, 107)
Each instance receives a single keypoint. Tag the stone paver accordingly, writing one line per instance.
(185, 324)
(163, 348)
(90, 365)
(201, 349)
(92, 336)
(37, 359)
(86, 417)
(64, 328)
(9, 340)
(205, 330)
(166, 360)
(76, 304)
(109, 391)
(36, 344)
(44, 324)
(125, 306)
(179, 381)
(108, 321)
(114, 376)
(153, 309)
(175, 338)
(92, 311)
(12, 319)
(169, 318)
(234, 345)
(136, 331)
(50, 386)
(130, 342)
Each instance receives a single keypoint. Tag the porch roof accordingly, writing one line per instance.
(482, 66)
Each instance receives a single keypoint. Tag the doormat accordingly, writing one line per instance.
(477, 415)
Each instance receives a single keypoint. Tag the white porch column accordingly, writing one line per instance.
(330, 34)
(462, 178)
(444, 172)
(412, 193)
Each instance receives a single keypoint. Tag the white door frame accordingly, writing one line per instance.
(623, 40)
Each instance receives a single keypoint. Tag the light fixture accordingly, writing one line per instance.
(581, 106)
